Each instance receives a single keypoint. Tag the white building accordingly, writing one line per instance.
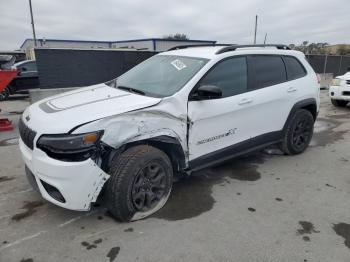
(156, 44)
(147, 44)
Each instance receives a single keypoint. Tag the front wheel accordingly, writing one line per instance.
(298, 133)
(339, 103)
(140, 183)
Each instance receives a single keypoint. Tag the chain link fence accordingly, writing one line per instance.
(329, 64)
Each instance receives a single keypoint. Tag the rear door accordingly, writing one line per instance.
(272, 96)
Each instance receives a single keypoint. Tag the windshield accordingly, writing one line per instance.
(160, 76)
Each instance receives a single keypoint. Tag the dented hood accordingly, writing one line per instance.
(63, 112)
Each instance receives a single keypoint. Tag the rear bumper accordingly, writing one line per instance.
(72, 185)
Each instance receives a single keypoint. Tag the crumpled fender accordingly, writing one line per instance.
(140, 125)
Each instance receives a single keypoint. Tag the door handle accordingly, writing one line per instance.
(292, 89)
(245, 101)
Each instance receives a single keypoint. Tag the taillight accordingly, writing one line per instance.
(318, 78)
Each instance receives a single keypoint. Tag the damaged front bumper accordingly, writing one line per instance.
(72, 185)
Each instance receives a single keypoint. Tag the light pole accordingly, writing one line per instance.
(256, 26)
(32, 20)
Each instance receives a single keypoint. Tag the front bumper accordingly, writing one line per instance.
(79, 183)
(340, 92)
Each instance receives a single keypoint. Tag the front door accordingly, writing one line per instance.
(218, 124)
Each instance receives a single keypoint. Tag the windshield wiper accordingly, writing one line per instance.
(130, 89)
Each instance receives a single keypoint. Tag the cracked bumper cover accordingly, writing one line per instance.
(78, 182)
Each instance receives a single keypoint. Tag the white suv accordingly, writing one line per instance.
(177, 112)
(340, 90)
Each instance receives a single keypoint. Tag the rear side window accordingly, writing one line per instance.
(269, 70)
(294, 68)
(229, 75)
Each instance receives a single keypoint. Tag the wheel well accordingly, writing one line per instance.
(312, 109)
(307, 104)
(169, 145)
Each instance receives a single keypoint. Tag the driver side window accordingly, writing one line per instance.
(230, 75)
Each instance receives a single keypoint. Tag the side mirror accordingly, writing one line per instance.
(205, 92)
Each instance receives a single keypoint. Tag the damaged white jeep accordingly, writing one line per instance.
(177, 112)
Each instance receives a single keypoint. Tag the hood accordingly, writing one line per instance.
(346, 76)
(63, 112)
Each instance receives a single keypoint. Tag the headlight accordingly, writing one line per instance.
(80, 145)
(336, 82)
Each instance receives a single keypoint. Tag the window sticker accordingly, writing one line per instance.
(178, 64)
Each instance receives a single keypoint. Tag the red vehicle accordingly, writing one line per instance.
(6, 76)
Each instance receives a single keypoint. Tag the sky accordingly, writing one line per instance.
(226, 21)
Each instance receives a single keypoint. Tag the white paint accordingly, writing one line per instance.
(76, 219)
(79, 182)
(339, 89)
(126, 117)
(19, 241)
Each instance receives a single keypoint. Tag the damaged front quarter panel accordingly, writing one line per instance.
(167, 118)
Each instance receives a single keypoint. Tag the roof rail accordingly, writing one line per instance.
(234, 47)
(199, 45)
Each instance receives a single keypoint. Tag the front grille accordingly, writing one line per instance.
(27, 135)
(348, 82)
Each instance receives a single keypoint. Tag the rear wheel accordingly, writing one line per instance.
(339, 103)
(11, 89)
(140, 183)
(298, 133)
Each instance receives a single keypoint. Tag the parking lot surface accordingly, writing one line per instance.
(262, 207)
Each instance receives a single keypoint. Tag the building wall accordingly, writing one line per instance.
(159, 44)
(28, 46)
(156, 44)
(166, 45)
(147, 45)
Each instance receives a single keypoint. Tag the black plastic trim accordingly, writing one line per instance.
(199, 45)
(298, 105)
(234, 47)
(235, 150)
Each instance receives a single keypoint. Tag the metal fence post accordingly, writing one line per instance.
(325, 64)
(340, 64)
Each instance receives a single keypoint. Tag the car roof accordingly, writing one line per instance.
(209, 52)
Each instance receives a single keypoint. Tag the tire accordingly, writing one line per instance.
(12, 90)
(4, 94)
(136, 189)
(298, 133)
(339, 103)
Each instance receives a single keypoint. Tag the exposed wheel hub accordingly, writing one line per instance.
(149, 186)
(302, 133)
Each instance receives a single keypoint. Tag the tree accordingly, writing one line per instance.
(311, 48)
(292, 46)
(343, 50)
(177, 36)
